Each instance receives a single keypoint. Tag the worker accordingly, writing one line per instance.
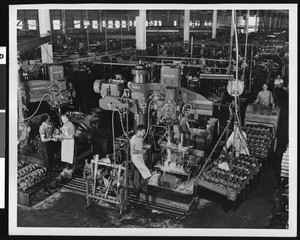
(278, 82)
(282, 134)
(68, 146)
(237, 139)
(136, 153)
(184, 128)
(47, 141)
(265, 97)
(279, 90)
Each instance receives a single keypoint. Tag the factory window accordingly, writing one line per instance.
(110, 24)
(124, 24)
(56, 24)
(175, 23)
(159, 23)
(147, 24)
(19, 24)
(103, 23)
(134, 23)
(207, 23)
(130, 23)
(77, 24)
(117, 24)
(86, 23)
(155, 23)
(32, 24)
(151, 23)
(94, 24)
(191, 23)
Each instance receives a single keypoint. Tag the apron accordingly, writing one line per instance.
(67, 148)
(138, 161)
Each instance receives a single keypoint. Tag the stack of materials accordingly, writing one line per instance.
(229, 182)
(260, 139)
(29, 175)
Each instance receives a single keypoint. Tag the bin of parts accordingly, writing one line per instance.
(236, 183)
(260, 140)
(31, 178)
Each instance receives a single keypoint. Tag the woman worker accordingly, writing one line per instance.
(68, 146)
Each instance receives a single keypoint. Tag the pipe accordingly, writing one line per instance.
(246, 43)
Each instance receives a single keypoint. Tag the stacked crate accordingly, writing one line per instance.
(232, 182)
(260, 140)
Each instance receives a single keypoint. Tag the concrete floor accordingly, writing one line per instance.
(66, 209)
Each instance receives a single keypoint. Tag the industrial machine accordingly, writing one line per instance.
(163, 105)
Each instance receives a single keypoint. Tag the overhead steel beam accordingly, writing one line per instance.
(25, 46)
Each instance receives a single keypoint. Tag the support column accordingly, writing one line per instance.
(186, 26)
(100, 21)
(246, 22)
(141, 31)
(214, 24)
(45, 29)
(275, 21)
(63, 21)
(280, 22)
(256, 24)
(270, 22)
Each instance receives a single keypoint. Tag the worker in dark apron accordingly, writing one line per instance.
(47, 143)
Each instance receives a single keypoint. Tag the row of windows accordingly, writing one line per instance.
(32, 24)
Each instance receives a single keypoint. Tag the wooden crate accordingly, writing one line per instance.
(231, 194)
(23, 197)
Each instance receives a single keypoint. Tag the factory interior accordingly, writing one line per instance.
(153, 118)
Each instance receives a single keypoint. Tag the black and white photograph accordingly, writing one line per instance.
(153, 119)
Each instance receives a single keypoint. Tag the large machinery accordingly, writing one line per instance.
(161, 106)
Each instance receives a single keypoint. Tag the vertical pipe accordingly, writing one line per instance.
(231, 42)
(87, 30)
(246, 43)
(105, 32)
(251, 65)
(121, 32)
(214, 24)
(192, 46)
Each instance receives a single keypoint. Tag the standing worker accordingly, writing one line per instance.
(46, 131)
(265, 97)
(136, 152)
(68, 146)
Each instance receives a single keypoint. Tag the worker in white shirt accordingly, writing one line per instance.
(136, 152)
(265, 97)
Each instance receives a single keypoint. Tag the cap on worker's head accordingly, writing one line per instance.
(265, 85)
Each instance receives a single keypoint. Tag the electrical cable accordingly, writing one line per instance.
(113, 133)
(148, 123)
(25, 119)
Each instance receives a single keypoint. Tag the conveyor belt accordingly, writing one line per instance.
(77, 184)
